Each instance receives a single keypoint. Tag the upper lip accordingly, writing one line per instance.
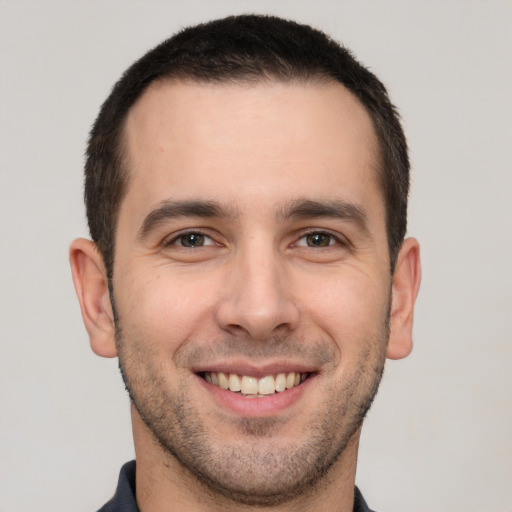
(255, 370)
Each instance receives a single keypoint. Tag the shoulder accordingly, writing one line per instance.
(359, 502)
(124, 497)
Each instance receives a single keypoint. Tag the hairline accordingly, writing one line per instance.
(123, 158)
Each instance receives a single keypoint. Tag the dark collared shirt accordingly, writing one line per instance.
(124, 498)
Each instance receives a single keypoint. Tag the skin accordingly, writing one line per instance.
(256, 296)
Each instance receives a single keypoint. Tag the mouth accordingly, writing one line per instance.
(255, 387)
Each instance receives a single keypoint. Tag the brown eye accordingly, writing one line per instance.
(191, 240)
(319, 240)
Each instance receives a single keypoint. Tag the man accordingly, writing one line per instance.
(246, 191)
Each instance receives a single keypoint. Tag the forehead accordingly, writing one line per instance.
(236, 141)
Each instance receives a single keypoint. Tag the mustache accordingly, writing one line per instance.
(314, 353)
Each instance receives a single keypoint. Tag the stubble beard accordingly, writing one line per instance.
(260, 471)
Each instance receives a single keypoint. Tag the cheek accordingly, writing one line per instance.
(163, 308)
(351, 308)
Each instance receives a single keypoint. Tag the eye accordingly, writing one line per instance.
(317, 239)
(192, 240)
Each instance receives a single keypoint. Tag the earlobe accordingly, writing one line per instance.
(91, 285)
(406, 283)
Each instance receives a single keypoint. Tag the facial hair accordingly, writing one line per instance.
(261, 471)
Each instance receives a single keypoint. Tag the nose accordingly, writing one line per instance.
(258, 299)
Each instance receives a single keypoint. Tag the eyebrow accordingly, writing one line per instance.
(335, 209)
(296, 210)
(175, 209)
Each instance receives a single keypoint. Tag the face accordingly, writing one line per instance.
(251, 280)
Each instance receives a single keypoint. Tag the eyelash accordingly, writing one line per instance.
(332, 238)
(183, 234)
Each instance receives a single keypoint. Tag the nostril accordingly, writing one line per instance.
(257, 310)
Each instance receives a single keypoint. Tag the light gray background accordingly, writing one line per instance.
(439, 436)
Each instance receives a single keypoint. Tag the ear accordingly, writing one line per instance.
(405, 286)
(91, 285)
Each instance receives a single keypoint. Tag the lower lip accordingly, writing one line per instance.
(257, 407)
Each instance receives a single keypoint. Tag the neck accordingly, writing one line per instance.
(164, 484)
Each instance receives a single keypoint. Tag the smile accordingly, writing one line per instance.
(253, 386)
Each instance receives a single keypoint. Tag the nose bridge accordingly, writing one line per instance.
(258, 298)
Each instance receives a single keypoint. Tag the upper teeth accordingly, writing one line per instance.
(253, 386)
